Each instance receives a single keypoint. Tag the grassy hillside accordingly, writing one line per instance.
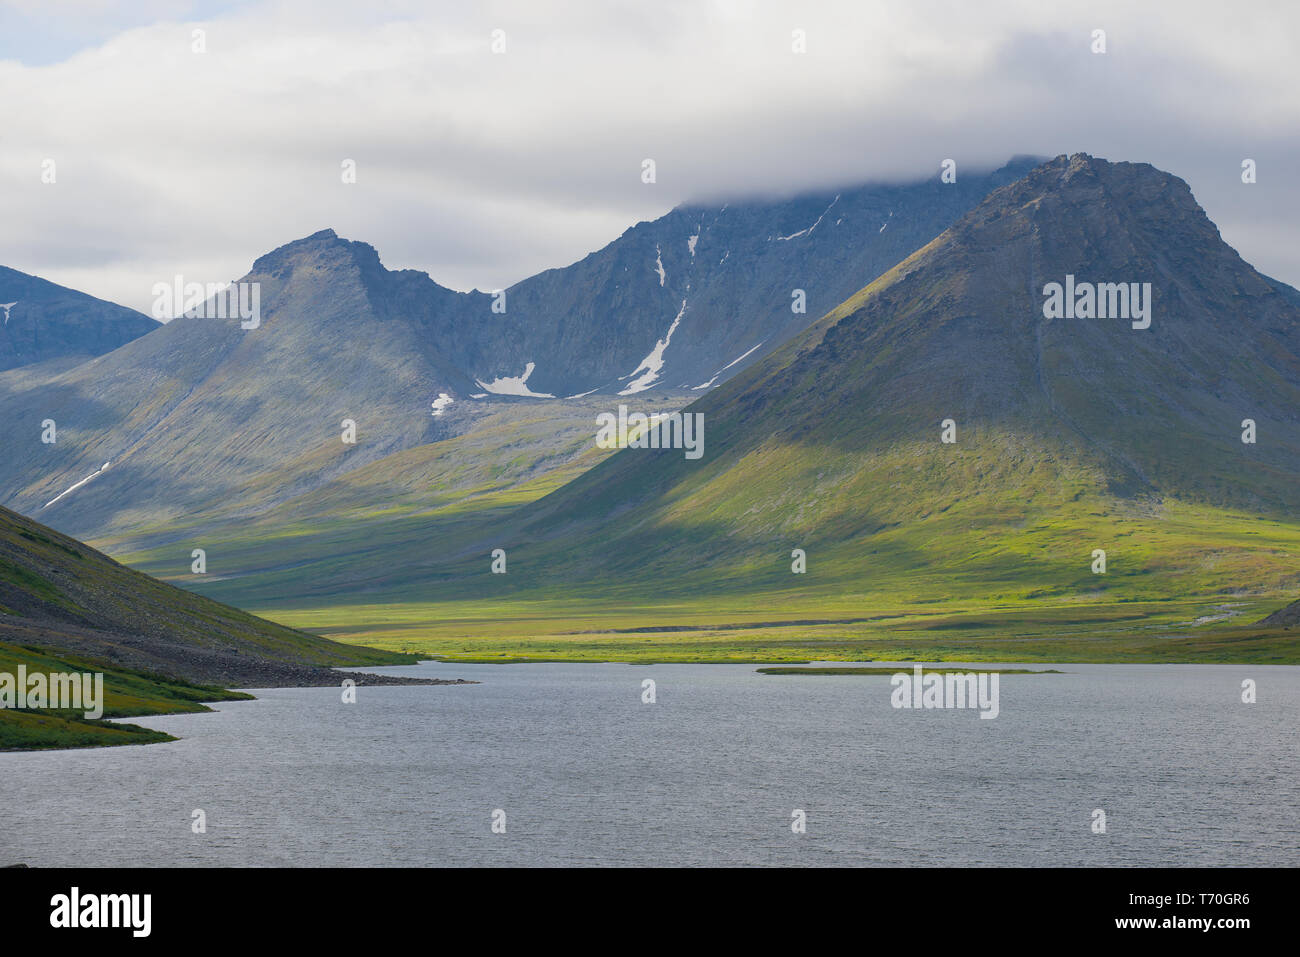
(67, 608)
(61, 594)
(126, 694)
(1180, 576)
(1186, 584)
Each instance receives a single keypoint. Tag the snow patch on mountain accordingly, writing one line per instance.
(659, 265)
(690, 243)
(654, 362)
(6, 306)
(72, 488)
(724, 369)
(440, 404)
(514, 385)
(808, 231)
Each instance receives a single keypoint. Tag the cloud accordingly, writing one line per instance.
(483, 168)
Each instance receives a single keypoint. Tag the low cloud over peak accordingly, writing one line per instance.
(484, 167)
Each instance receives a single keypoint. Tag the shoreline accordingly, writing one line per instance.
(28, 730)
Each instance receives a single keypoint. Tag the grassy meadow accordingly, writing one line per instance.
(1184, 585)
(982, 552)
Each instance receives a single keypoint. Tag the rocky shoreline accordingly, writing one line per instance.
(307, 677)
(215, 664)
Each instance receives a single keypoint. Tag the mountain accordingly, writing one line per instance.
(688, 300)
(958, 331)
(204, 415)
(205, 423)
(43, 321)
(1072, 435)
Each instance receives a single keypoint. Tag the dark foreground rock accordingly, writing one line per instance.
(1285, 617)
(210, 664)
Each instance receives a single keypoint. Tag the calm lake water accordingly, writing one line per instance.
(709, 774)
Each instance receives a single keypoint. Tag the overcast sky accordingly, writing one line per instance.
(482, 168)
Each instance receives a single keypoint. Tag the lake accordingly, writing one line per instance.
(710, 773)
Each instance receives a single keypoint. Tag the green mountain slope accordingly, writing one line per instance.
(65, 607)
(389, 521)
(59, 594)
